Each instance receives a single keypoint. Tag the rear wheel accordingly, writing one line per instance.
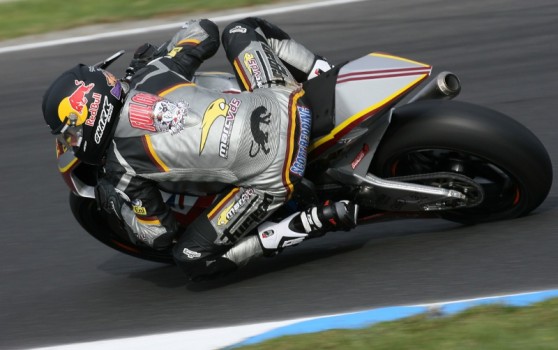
(499, 154)
(108, 230)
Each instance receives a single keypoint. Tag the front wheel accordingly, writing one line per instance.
(502, 156)
(107, 230)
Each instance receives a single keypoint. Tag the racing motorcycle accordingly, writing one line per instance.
(396, 154)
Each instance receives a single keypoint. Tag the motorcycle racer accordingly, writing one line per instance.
(159, 127)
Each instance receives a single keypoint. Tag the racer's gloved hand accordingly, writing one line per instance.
(143, 55)
(108, 199)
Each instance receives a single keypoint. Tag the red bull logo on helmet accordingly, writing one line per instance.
(76, 104)
(78, 99)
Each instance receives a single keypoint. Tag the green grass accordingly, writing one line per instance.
(487, 328)
(24, 17)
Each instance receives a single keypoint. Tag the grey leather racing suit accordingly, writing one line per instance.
(253, 143)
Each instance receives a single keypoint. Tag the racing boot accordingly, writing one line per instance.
(310, 223)
(273, 237)
(331, 216)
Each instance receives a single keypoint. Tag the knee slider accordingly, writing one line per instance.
(188, 260)
(205, 269)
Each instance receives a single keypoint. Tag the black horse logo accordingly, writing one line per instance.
(259, 116)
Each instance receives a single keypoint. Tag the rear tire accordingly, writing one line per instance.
(107, 230)
(504, 157)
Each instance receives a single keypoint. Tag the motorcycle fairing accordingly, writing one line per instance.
(364, 88)
(67, 164)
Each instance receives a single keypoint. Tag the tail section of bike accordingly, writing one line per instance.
(354, 95)
(426, 157)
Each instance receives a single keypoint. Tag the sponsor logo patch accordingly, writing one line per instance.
(220, 109)
(233, 209)
(170, 116)
(238, 29)
(305, 121)
(360, 156)
(191, 254)
(116, 90)
(141, 110)
(78, 99)
(76, 104)
(267, 234)
(174, 51)
(138, 208)
(153, 113)
(252, 66)
(93, 109)
(104, 119)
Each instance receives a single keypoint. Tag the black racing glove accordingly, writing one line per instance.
(108, 199)
(143, 55)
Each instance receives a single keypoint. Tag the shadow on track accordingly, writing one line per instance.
(334, 244)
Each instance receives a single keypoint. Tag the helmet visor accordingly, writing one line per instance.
(70, 137)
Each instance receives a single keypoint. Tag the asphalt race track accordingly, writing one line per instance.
(58, 285)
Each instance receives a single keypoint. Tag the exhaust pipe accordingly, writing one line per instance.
(445, 86)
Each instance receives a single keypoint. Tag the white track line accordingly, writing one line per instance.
(135, 31)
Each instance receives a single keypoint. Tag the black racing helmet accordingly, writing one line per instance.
(81, 107)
